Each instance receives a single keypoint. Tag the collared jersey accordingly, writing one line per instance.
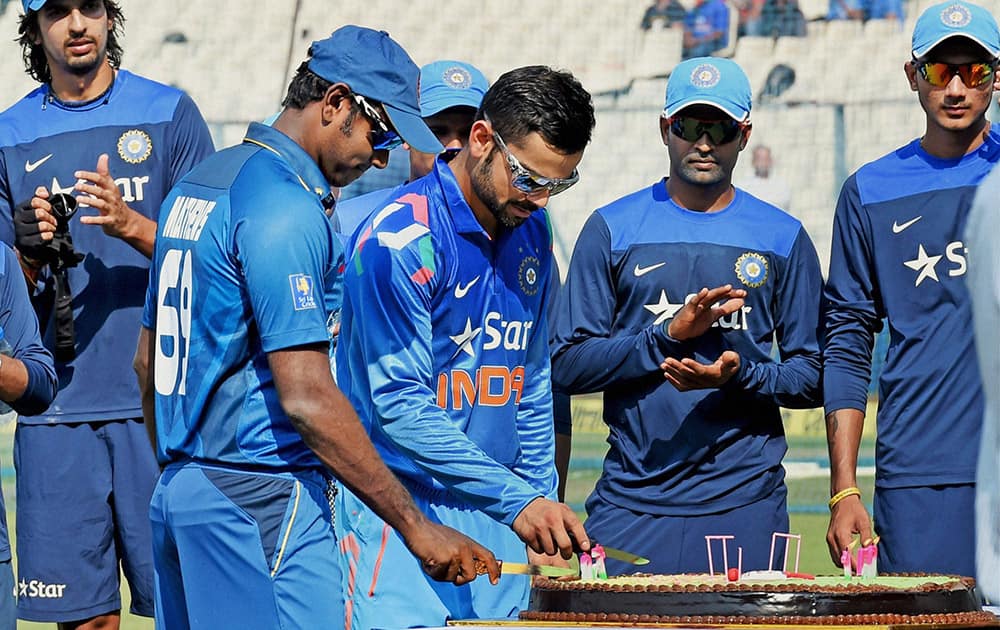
(153, 134)
(635, 264)
(899, 253)
(444, 347)
(246, 263)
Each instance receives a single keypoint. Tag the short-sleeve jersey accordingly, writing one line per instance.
(899, 254)
(636, 262)
(153, 134)
(246, 263)
(443, 349)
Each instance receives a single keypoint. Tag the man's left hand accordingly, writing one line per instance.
(688, 374)
(115, 218)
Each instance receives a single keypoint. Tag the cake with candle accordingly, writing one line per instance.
(773, 597)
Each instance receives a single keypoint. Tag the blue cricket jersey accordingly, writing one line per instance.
(635, 264)
(246, 263)
(444, 348)
(20, 329)
(153, 134)
(350, 213)
(898, 254)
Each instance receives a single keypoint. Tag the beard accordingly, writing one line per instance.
(482, 186)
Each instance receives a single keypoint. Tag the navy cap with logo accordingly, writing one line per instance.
(376, 67)
(955, 18)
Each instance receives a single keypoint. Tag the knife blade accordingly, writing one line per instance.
(535, 569)
(624, 556)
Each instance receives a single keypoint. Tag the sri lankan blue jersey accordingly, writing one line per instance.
(898, 254)
(153, 134)
(444, 348)
(636, 262)
(246, 263)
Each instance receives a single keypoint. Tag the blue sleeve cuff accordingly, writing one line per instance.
(39, 393)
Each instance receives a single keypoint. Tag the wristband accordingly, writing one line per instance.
(843, 494)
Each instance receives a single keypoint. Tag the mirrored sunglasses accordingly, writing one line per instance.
(532, 183)
(383, 137)
(972, 74)
(692, 129)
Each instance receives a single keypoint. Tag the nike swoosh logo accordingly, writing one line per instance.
(30, 166)
(641, 271)
(899, 227)
(460, 291)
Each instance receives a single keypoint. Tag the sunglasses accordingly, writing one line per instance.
(384, 138)
(692, 129)
(972, 74)
(527, 182)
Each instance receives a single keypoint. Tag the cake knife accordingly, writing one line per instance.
(535, 569)
(624, 556)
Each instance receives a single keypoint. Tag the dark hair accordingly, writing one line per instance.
(305, 87)
(540, 99)
(35, 63)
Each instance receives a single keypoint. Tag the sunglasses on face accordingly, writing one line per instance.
(972, 74)
(383, 137)
(527, 182)
(692, 129)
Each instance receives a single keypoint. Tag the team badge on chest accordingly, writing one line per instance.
(134, 146)
(751, 269)
(527, 275)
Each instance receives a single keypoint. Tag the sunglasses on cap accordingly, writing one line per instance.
(383, 137)
(527, 182)
(718, 131)
(940, 74)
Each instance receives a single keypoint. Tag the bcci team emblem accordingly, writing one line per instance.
(956, 16)
(705, 76)
(751, 269)
(527, 275)
(302, 291)
(134, 146)
(457, 78)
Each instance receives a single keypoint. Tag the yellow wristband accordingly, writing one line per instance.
(843, 494)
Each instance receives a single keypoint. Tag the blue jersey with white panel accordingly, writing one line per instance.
(635, 264)
(444, 348)
(898, 253)
(246, 263)
(153, 134)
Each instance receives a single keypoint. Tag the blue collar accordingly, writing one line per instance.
(288, 150)
(461, 212)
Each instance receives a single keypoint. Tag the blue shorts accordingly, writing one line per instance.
(676, 544)
(913, 543)
(385, 587)
(82, 507)
(8, 609)
(237, 549)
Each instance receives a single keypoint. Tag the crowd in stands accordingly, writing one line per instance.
(706, 24)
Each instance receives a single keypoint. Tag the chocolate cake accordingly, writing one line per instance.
(704, 599)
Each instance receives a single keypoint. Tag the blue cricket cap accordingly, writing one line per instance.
(32, 5)
(448, 83)
(711, 81)
(953, 19)
(376, 67)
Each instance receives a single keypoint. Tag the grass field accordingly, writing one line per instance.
(807, 495)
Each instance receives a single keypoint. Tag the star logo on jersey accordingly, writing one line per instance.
(465, 338)
(925, 264)
(134, 146)
(664, 309)
(751, 269)
(527, 275)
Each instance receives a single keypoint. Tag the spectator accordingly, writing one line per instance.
(665, 13)
(751, 17)
(706, 28)
(783, 18)
(763, 185)
(885, 10)
(846, 10)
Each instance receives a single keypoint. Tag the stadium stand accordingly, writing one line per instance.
(849, 102)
